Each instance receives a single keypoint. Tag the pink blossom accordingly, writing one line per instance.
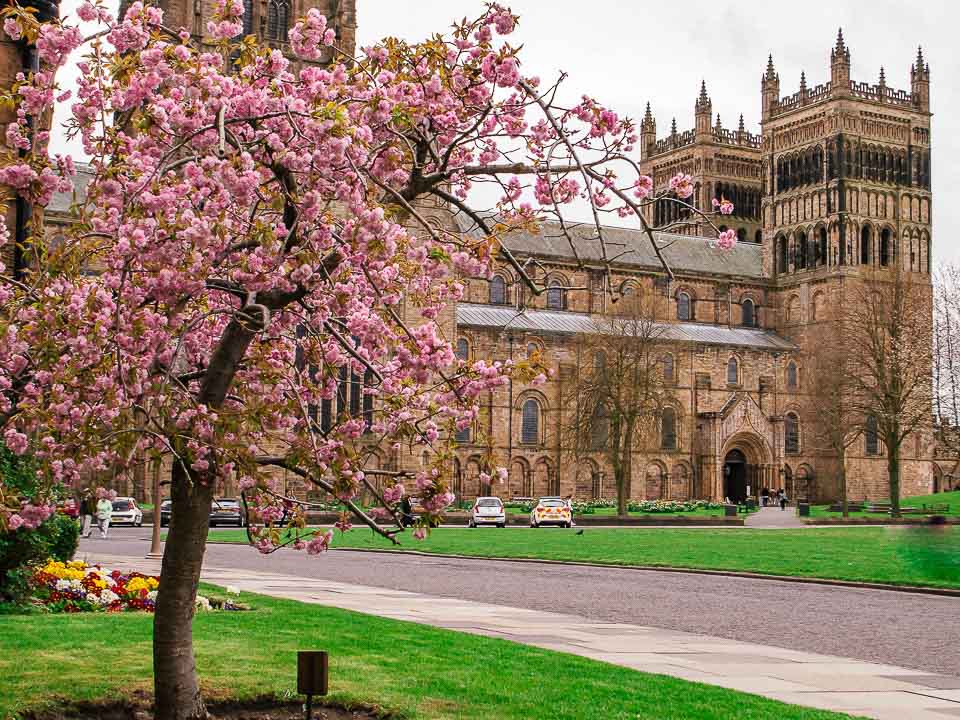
(420, 533)
(724, 206)
(12, 28)
(682, 185)
(727, 239)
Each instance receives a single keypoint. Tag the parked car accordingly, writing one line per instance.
(550, 511)
(165, 507)
(488, 511)
(227, 511)
(126, 512)
(69, 508)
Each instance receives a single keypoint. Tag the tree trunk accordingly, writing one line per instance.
(843, 484)
(623, 477)
(893, 470)
(176, 686)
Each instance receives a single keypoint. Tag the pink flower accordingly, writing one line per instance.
(420, 533)
(724, 205)
(12, 28)
(14, 522)
(682, 185)
(727, 239)
(87, 12)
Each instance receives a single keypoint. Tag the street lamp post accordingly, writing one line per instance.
(155, 552)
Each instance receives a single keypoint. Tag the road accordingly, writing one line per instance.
(895, 628)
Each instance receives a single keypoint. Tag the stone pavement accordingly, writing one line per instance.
(862, 689)
(774, 518)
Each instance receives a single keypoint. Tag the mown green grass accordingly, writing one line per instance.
(952, 499)
(899, 555)
(413, 670)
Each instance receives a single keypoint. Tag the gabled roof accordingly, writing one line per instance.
(503, 318)
(630, 247)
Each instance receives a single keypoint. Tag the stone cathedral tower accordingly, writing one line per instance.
(846, 169)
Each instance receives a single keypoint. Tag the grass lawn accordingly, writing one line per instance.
(900, 555)
(951, 498)
(415, 670)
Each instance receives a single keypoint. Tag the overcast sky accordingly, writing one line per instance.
(628, 52)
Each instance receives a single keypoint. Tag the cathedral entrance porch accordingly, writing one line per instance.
(735, 472)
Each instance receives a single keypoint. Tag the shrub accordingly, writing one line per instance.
(22, 549)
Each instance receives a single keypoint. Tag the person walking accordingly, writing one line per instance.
(783, 499)
(764, 497)
(88, 508)
(104, 509)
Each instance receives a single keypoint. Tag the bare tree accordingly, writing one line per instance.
(613, 405)
(889, 332)
(946, 361)
(837, 417)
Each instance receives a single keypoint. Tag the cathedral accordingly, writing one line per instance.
(836, 184)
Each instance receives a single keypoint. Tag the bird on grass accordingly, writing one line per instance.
(580, 531)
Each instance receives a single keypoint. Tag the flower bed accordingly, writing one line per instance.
(672, 506)
(77, 587)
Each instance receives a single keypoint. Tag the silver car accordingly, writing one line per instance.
(488, 511)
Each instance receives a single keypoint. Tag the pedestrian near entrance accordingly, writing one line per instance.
(783, 499)
(765, 497)
(104, 509)
(88, 508)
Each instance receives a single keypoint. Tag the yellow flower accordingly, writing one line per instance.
(153, 583)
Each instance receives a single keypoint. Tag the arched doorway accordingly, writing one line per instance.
(735, 476)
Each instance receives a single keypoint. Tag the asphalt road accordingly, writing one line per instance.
(896, 628)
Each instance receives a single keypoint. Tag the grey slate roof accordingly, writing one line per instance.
(501, 317)
(630, 247)
(61, 202)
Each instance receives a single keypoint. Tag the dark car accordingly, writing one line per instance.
(227, 511)
(165, 512)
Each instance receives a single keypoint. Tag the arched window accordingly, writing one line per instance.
(247, 17)
(668, 429)
(463, 436)
(556, 296)
(741, 234)
(668, 368)
(871, 438)
(758, 237)
(532, 349)
(463, 349)
(865, 240)
(600, 427)
(782, 255)
(748, 316)
(278, 20)
(801, 249)
(792, 376)
(498, 291)
(885, 247)
(530, 425)
(733, 371)
(791, 434)
(822, 247)
(684, 307)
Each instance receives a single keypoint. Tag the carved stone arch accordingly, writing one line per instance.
(556, 295)
(782, 253)
(629, 286)
(803, 484)
(586, 480)
(543, 477)
(733, 369)
(818, 306)
(519, 479)
(686, 309)
(655, 480)
(500, 288)
(471, 480)
(792, 315)
(531, 409)
(926, 250)
(681, 482)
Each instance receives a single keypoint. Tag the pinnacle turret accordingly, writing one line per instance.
(840, 50)
(883, 76)
(719, 124)
(741, 128)
(647, 119)
(771, 73)
(803, 81)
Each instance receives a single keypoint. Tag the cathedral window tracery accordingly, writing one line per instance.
(278, 20)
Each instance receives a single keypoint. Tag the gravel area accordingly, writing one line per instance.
(896, 628)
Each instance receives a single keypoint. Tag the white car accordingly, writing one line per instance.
(126, 512)
(551, 511)
(488, 511)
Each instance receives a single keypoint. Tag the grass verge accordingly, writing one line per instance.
(417, 671)
(950, 499)
(899, 555)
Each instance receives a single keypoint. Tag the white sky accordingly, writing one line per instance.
(628, 52)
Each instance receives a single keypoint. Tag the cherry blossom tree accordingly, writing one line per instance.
(273, 242)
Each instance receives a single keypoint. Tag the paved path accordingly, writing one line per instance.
(884, 692)
(774, 517)
(892, 628)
